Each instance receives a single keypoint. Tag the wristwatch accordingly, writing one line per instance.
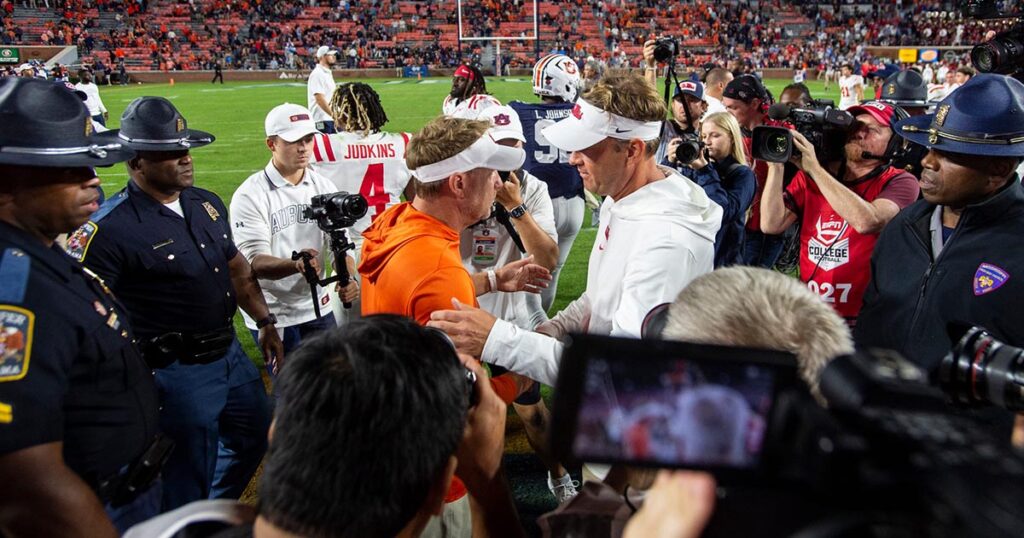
(517, 211)
(271, 319)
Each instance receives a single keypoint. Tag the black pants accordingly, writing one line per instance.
(217, 75)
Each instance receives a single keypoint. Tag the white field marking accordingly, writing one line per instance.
(255, 86)
(394, 82)
(428, 81)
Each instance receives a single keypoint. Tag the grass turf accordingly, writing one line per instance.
(234, 113)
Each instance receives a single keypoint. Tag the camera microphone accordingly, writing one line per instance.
(778, 111)
(871, 156)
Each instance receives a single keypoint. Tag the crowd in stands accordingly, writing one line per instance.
(279, 34)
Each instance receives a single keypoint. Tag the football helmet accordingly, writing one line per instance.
(556, 75)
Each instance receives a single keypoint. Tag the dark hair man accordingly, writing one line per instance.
(92, 97)
(78, 407)
(747, 100)
(165, 248)
(949, 257)
(796, 94)
(841, 209)
(372, 422)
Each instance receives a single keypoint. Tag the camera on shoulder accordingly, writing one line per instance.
(822, 124)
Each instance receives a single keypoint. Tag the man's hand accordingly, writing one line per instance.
(350, 292)
(677, 506)
(300, 266)
(522, 275)
(670, 149)
(649, 60)
(468, 327)
(272, 347)
(807, 160)
(509, 195)
(483, 440)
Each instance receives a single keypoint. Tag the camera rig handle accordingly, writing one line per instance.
(339, 244)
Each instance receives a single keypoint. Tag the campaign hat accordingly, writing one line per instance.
(906, 88)
(46, 125)
(154, 124)
(984, 117)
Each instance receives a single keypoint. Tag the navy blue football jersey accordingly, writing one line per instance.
(543, 160)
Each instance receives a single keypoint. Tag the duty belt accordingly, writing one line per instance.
(187, 348)
(134, 479)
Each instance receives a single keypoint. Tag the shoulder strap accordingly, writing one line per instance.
(15, 267)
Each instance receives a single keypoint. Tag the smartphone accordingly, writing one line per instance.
(655, 403)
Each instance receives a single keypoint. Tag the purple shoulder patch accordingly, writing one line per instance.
(989, 278)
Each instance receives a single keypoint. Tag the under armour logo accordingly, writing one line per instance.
(239, 225)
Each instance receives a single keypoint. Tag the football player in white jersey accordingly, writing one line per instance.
(469, 93)
(851, 87)
(360, 158)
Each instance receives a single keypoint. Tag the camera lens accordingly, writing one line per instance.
(1003, 54)
(687, 150)
(983, 370)
(354, 206)
(777, 144)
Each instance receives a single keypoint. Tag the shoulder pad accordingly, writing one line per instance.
(15, 266)
(109, 205)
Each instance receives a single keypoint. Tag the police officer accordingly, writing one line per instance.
(165, 248)
(909, 91)
(78, 407)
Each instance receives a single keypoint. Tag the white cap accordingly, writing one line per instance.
(587, 125)
(504, 119)
(484, 153)
(324, 50)
(25, 66)
(290, 122)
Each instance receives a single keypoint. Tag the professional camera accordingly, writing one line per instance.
(824, 126)
(1004, 53)
(665, 49)
(333, 213)
(889, 456)
(984, 371)
(336, 210)
(689, 148)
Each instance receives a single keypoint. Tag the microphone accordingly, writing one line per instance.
(778, 111)
(873, 157)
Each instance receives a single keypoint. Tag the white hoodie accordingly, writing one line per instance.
(649, 246)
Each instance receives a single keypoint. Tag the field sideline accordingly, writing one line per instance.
(234, 113)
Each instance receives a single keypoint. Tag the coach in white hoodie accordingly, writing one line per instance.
(656, 233)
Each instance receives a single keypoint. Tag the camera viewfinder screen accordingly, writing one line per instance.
(674, 412)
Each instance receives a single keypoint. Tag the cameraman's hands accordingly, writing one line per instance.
(483, 440)
(300, 266)
(806, 160)
(677, 506)
(509, 195)
(649, 60)
(670, 149)
(350, 292)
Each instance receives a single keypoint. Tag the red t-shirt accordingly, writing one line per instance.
(835, 258)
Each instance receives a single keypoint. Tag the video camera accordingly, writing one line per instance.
(333, 213)
(336, 210)
(1004, 53)
(889, 457)
(824, 126)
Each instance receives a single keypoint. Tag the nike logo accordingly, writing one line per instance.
(617, 130)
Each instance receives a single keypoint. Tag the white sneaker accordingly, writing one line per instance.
(564, 489)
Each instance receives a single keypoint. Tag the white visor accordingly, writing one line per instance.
(484, 153)
(587, 125)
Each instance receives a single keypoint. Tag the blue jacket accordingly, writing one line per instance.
(734, 193)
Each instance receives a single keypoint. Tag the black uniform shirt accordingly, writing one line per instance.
(171, 272)
(68, 369)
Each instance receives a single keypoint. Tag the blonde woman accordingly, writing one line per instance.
(721, 169)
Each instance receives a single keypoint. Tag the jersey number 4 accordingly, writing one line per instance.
(373, 189)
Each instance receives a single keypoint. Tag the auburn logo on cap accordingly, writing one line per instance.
(577, 112)
(502, 119)
(298, 117)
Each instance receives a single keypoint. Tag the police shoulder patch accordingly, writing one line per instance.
(78, 241)
(16, 325)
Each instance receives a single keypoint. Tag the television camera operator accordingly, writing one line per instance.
(842, 205)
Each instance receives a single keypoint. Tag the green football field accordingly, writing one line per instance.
(234, 113)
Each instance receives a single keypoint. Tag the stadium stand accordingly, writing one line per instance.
(280, 34)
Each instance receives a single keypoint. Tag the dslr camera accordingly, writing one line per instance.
(336, 210)
(665, 49)
(689, 148)
(824, 126)
(891, 456)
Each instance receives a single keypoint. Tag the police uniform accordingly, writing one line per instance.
(68, 369)
(171, 271)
